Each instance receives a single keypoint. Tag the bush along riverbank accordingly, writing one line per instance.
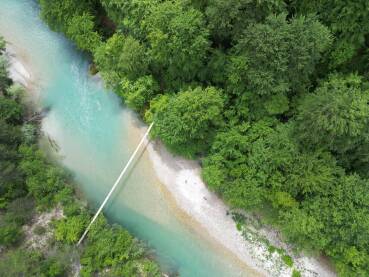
(272, 99)
(41, 219)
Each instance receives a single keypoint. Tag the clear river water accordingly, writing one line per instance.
(95, 135)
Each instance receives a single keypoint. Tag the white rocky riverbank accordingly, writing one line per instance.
(183, 179)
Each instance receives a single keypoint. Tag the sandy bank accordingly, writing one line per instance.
(17, 70)
(183, 179)
(20, 70)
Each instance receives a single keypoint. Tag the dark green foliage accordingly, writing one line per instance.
(228, 19)
(338, 220)
(178, 40)
(17, 209)
(128, 15)
(11, 179)
(20, 211)
(71, 208)
(154, 31)
(4, 79)
(345, 213)
(106, 247)
(266, 71)
(116, 249)
(273, 61)
(349, 21)
(138, 94)
(10, 233)
(24, 263)
(189, 120)
(76, 19)
(10, 111)
(336, 118)
(17, 213)
(43, 180)
(157, 104)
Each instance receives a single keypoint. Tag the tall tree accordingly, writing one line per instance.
(187, 123)
(336, 118)
(348, 20)
(256, 164)
(178, 42)
(58, 13)
(129, 15)
(81, 30)
(274, 61)
(121, 57)
(227, 20)
(138, 94)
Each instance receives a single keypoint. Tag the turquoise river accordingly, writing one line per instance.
(95, 135)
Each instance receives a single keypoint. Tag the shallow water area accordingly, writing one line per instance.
(95, 136)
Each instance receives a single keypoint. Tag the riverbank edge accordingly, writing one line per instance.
(19, 72)
(182, 178)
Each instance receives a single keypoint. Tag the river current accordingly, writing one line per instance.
(95, 135)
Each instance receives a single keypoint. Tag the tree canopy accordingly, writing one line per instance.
(271, 96)
(348, 22)
(336, 118)
(189, 120)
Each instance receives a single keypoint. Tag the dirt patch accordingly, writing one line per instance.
(39, 231)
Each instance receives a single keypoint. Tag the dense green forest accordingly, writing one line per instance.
(272, 97)
(31, 186)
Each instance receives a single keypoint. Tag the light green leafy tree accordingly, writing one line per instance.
(138, 94)
(59, 13)
(129, 15)
(189, 120)
(121, 57)
(70, 229)
(228, 19)
(81, 31)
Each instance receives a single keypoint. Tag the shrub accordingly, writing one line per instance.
(287, 260)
